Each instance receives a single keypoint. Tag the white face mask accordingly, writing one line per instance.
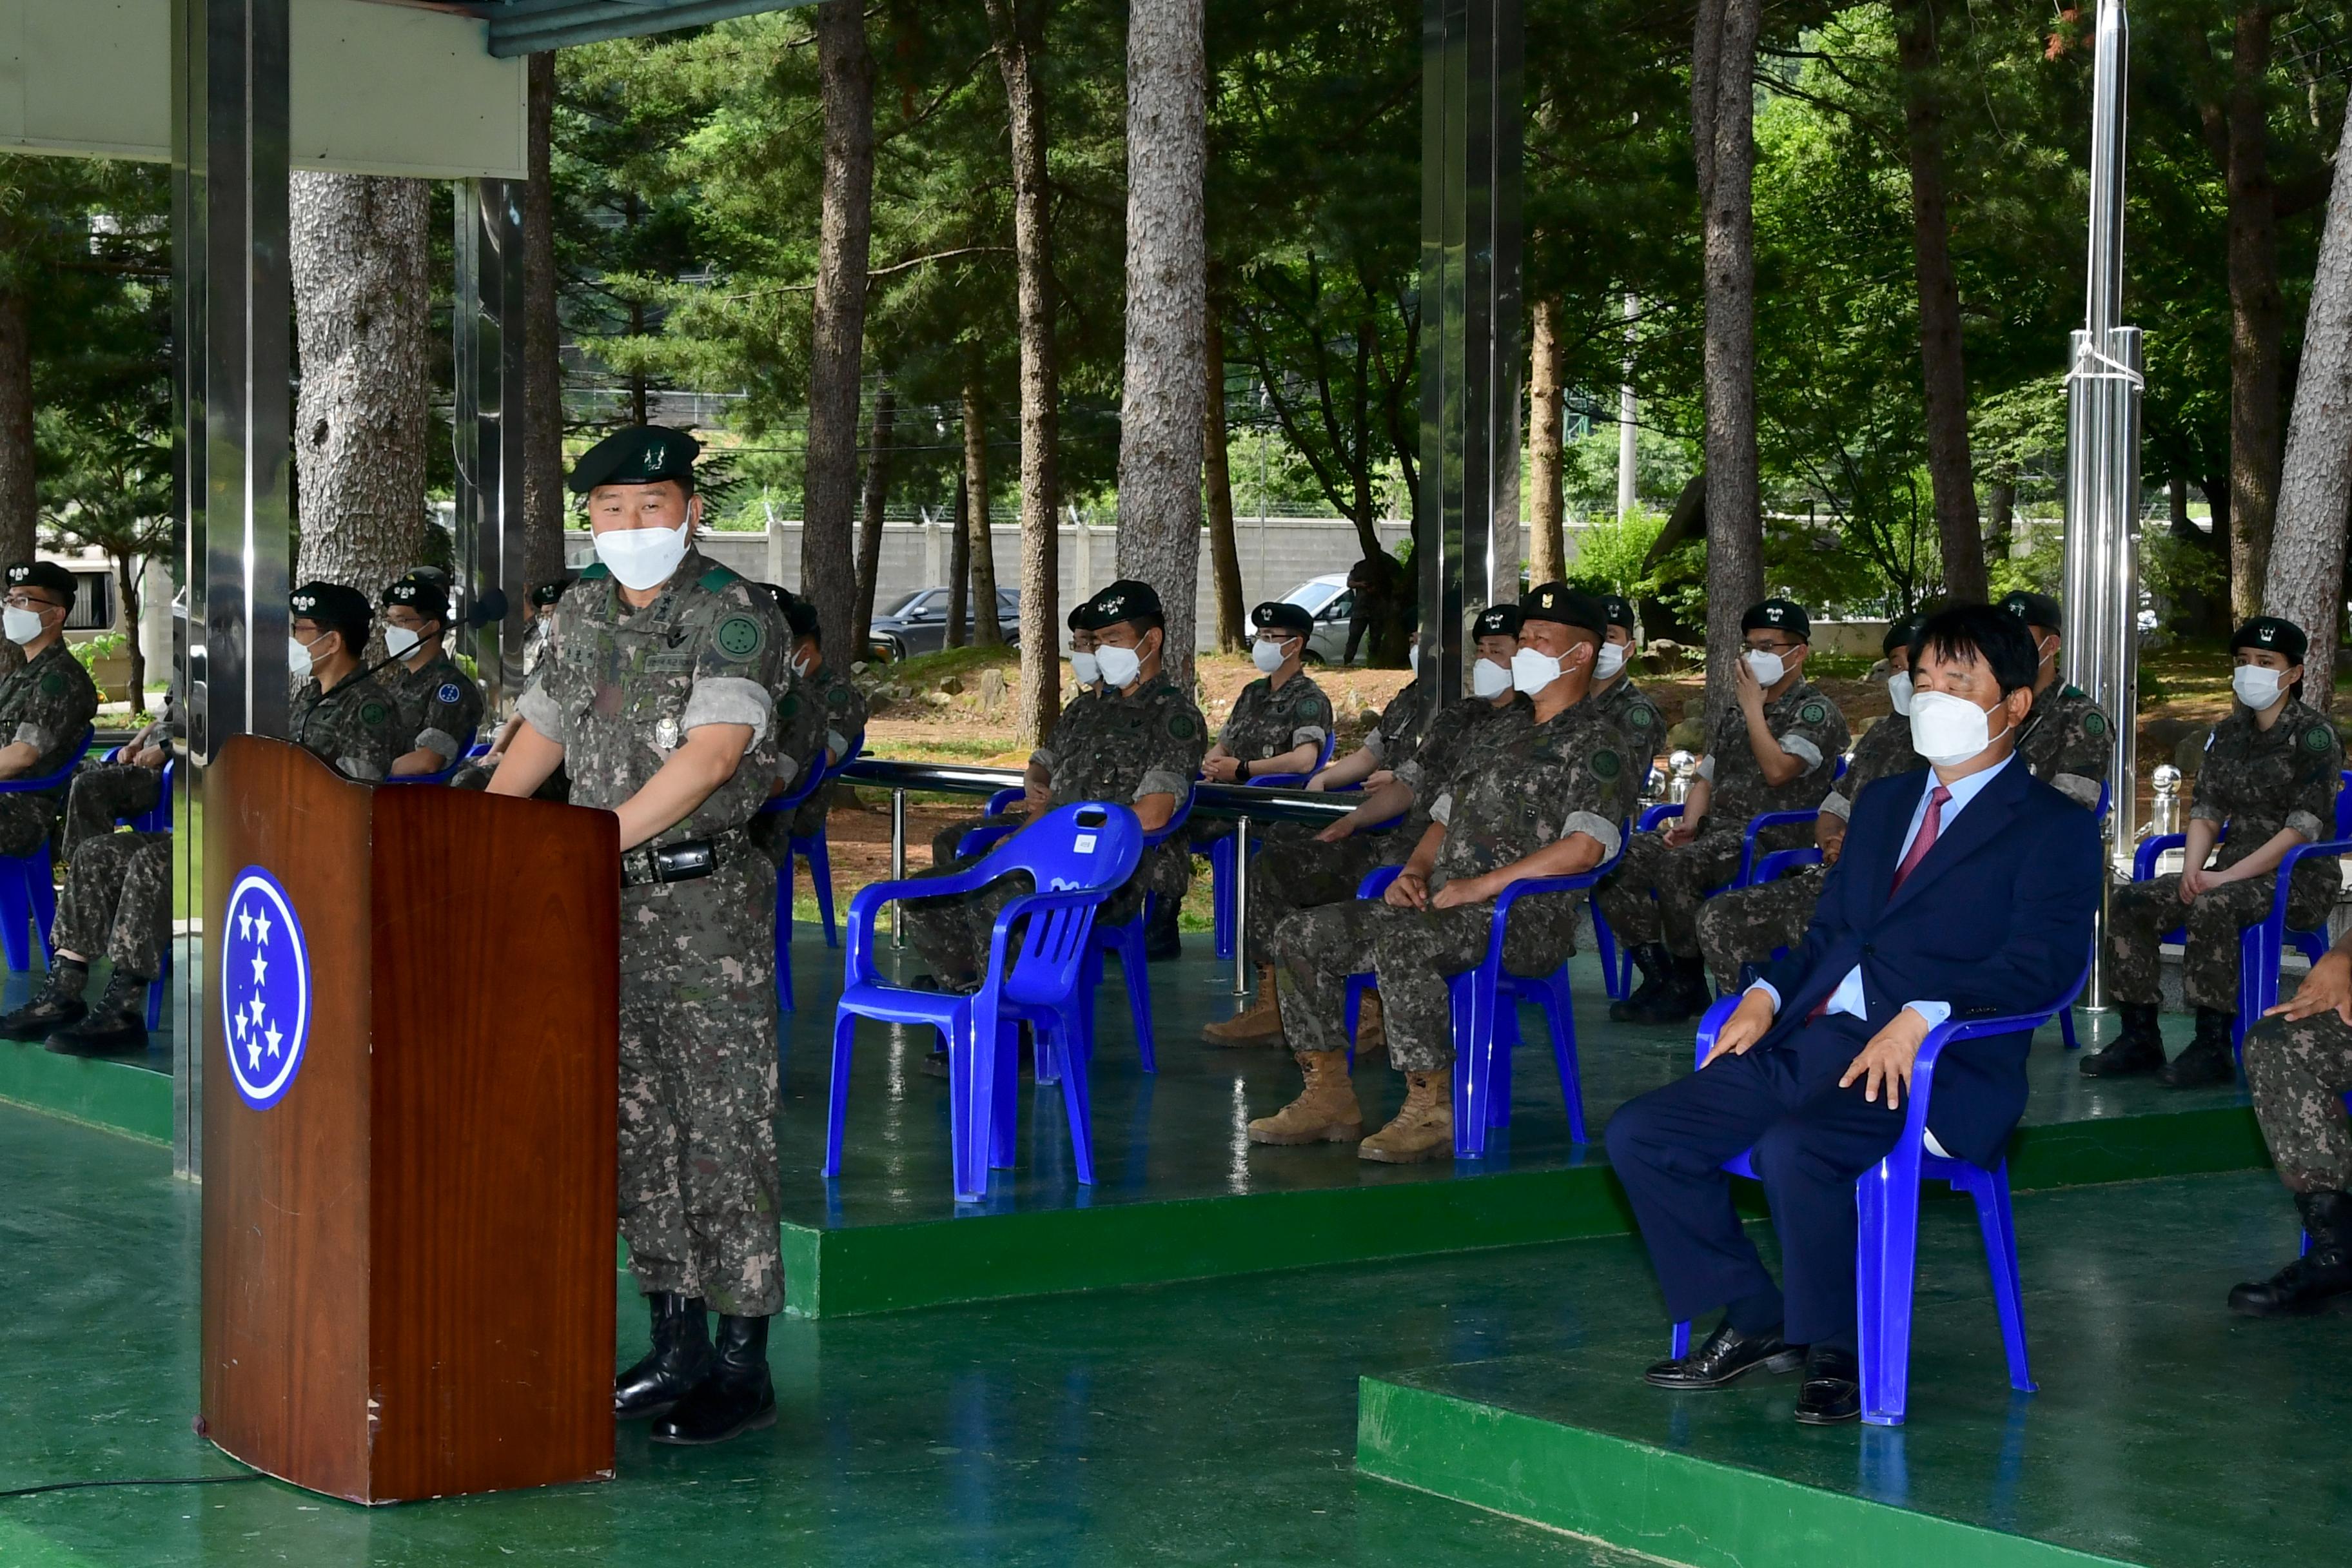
(1532, 671)
(1609, 661)
(1898, 692)
(1119, 665)
(1087, 668)
(801, 664)
(1768, 668)
(22, 625)
(399, 642)
(1412, 657)
(642, 558)
(2256, 687)
(1947, 730)
(1268, 655)
(1490, 679)
(298, 659)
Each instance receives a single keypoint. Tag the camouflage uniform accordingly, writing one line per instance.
(798, 744)
(1398, 735)
(2298, 1070)
(2259, 782)
(439, 706)
(1746, 924)
(2067, 742)
(104, 793)
(352, 728)
(47, 705)
(1629, 708)
(1069, 734)
(1564, 776)
(1809, 728)
(1128, 746)
(619, 689)
(118, 901)
(844, 722)
(1265, 723)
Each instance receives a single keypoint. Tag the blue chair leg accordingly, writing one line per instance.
(1081, 1116)
(1132, 970)
(2066, 1027)
(971, 1100)
(16, 916)
(155, 995)
(784, 937)
(1604, 944)
(1678, 1342)
(1559, 1012)
(1474, 1069)
(1991, 1190)
(1221, 893)
(41, 888)
(844, 1033)
(1004, 1121)
(1886, 1268)
(821, 882)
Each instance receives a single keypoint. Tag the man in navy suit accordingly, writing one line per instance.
(1965, 889)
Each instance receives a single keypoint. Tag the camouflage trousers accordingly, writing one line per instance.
(2139, 914)
(1678, 880)
(1413, 953)
(699, 1181)
(118, 902)
(953, 932)
(1294, 872)
(25, 822)
(2298, 1072)
(104, 793)
(1745, 925)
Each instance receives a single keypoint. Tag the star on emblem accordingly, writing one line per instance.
(261, 928)
(254, 1007)
(260, 966)
(253, 1054)
(273, 1036)
(245, 925)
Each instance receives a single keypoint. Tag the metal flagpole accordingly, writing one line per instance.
(2103, 428)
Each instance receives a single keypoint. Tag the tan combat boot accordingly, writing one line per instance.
(1372, 1035)
(1325, 1112)
(1260, 1025)
(1423, 1128)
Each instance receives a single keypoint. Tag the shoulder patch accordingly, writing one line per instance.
(594, 571)
(718, 578)
(2316, 739)
(52, 684)
(448, 692)
(372, 713)
(1813, 713)
(1180, 725)
(739, 637)
(2095, 723)
(1638, 716)
(1606, 765)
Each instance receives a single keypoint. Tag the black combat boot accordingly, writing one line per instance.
(117, 1026)
(680, 1359)
(58, 1004)
(1161, 938)
(736, 1398)
(1683, 994)
(2320, 1276)
(1657, 965)
(2207, 1059)
(2139, 1048)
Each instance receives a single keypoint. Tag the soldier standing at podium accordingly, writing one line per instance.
(656, 694)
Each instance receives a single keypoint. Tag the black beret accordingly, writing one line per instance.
(429, 596)
(1780, 616)
(1496, 621)
(2035, 609)
(1281, 613)
(547, 593)
(334, 607)
(2273, 635)
(1619, 610)
(799, 613)
(640, 455)
(1125, 600)
(1081, 618)
(1899, 634)
(46, 575)
(1567, 606)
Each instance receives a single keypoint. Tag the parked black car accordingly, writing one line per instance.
(918, 623)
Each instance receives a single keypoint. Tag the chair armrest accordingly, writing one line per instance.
(863, 909)
(1953, 1030)
(1574, 881)
(1003, 801)
(987, 835)
(1780, 862)
(1278, 781)
(2276, 920)
(52, 781)
(1711, 1023)
(2143, 858)
(1153, 837)
(1757, 823)
(1376, 881)
(1655, 815)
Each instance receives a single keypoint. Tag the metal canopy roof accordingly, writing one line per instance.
(526, 27)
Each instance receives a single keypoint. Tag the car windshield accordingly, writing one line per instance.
(1314, 596)
(910, 602)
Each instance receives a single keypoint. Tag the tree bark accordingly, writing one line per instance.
(544, 500)
(1723, 137)
(844, 236)
(1225, 551)
(20, 505)
(126, 590)
(980, 544)
(1166, 383)
(1943, 371)
(362, 303)
(2306, 560)
(2257, 314)
(1018, 34)
(958, 630)
(1546, 543)
(869, 526)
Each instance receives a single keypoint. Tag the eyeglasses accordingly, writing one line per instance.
(27, 602)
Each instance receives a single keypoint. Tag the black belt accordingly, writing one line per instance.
(680, 862)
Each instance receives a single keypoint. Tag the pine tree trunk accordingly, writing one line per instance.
(959, 630)
(542, 382)
(1166, 383)
(1943, 369)
(362, 300)
(20, 507)
(126, 590)
(2306, 559)
(1723, 136)
(1547, 542)
(869, 525)
(1019, 39)
(1216, 469)
(2257, 314)
(844, 236)
(979, 543)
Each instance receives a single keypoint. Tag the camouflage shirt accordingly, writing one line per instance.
(1394, 738)
(619, 689)
(2261, 781)
(354, 729)
(1266, 722)
(1126, 745)
(439, 706)
(1883, 750)
(1465, 736)
(844, 708)
(1540, 785)
(1069, 730)
(798, 742)
(1809, 727)
(1629, 708)
(47, 705)
(2067, 742)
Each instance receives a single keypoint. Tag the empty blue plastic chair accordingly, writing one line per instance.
(439, 776)
(1888, 1244)
(1033, 974)
(28, 887)
(1226, 920)
(810, 848)
(784, 806)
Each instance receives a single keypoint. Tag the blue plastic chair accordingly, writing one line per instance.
(158, 820)
(1620, 973)
(1076, 855)
(441, 775)
(1887, 1244)
(812, 848)
(1220, 852)
(1127, 938)
(784, 806)
(28, 886)
(1485, 1002)
(999, 826)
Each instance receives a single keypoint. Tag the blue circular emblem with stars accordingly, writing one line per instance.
(448, 692)
(265, 989)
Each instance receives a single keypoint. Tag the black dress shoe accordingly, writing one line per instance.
(1728, 1356)
(2320, 1279)
(117, 1026)
(680, 1358)
(1833, 1389)
(736, 1398)
(58, 1005)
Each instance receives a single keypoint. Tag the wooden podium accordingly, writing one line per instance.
(408, 1162)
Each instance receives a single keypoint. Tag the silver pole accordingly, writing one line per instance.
(897, 864)
(1626, 458)
(1241, 907)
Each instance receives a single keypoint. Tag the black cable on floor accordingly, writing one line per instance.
(150, 1481)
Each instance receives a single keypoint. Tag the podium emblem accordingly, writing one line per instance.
(265, 989)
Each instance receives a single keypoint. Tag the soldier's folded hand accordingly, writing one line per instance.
(1409, 892)
(2328, 988)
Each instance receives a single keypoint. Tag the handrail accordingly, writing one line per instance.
(1212, 800)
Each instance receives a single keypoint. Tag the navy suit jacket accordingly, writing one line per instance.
(1996, 920)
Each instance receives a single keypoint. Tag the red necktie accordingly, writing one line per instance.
(1924, 839)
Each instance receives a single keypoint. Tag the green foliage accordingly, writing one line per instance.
(1610, 553)
(104, 646)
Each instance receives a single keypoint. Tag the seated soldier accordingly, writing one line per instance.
(836, 696)
(1390, 739)
(1549, 801)
(129, 783)
(1748, 925)
(1303, 867)
(2066, 741)
(45, 705)
(1069, 730)
(538, 617)
(2270, 773)
(2299, 1064)
(439, 705)
(1621, 701)
(1774, 749)
(799, 738)
(338, 713)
